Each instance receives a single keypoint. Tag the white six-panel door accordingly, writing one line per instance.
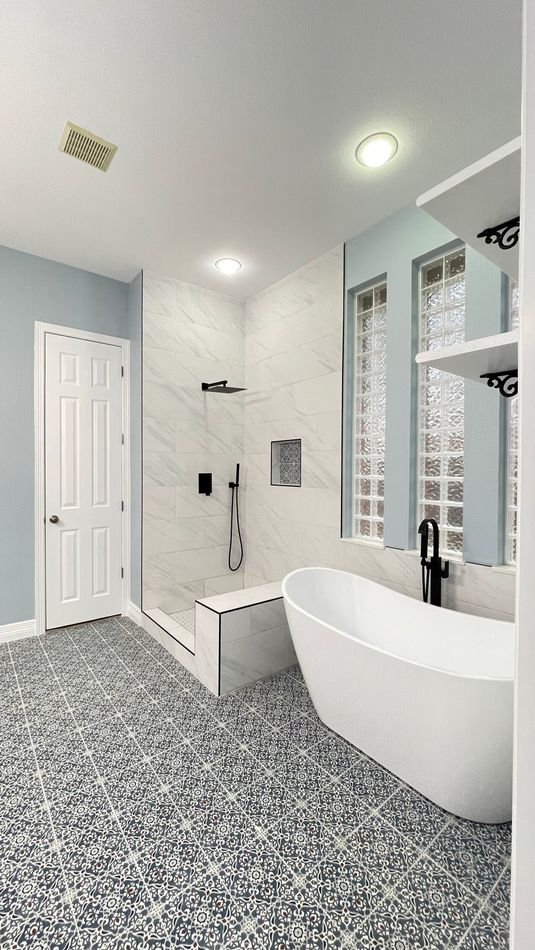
(83, 477)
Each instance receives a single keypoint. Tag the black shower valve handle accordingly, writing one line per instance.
(236, 484)
(205, 483)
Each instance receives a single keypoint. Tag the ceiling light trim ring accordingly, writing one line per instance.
(389, 145)
(228, 265)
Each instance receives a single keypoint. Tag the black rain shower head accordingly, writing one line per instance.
(221, 387)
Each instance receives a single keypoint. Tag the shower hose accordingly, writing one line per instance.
(235, 489)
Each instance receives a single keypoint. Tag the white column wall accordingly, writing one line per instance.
(523, 864)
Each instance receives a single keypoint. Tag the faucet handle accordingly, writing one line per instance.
(423, 530)
(445, 571)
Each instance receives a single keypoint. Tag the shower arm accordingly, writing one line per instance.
(221, 386)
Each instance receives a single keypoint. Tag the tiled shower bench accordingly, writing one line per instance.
(248, 632)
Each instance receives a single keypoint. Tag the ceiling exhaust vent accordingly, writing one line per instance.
(87, 147)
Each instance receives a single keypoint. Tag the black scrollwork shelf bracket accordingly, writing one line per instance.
(506, 382)
(504, 235)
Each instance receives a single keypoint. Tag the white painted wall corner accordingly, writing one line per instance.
(134, 612)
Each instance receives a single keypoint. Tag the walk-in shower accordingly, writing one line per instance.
(193, 354)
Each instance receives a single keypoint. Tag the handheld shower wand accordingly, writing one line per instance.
(235, 487)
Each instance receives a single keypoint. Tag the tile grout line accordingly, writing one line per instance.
(101, 784)
(208, 709)
(191, 885)
(210, 715)
(485, 905)
(425, 853)
(77, 730)
(338, 780)
(203, 762)
(264, 834)
(56, 848)
(422, 853)
(213, 867)
(299, 806)
(300, 750)
(244, 745)
(390, 890)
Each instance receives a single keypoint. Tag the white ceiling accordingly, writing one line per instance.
(236, 122)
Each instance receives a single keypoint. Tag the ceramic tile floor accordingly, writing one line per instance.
(137, 810)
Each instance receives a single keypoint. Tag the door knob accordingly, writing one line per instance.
(53, 519)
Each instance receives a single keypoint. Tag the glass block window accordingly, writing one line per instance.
(512, 447)
(441, 400)
(370, 408)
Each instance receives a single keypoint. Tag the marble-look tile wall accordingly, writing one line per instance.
(293, 377)
(189, 336)
(255, 642)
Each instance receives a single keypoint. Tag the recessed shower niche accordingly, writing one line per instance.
(286, 463)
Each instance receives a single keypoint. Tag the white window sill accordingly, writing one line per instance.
(362, 542)
(504, 569)
(454, 558)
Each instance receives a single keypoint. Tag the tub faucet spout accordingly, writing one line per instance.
(433, 570)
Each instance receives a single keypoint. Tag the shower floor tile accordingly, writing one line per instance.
(137, 810)
(186, 618)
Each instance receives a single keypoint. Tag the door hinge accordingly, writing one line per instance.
(122, 370)
(122, 572)
(122, 506)
(122, 438)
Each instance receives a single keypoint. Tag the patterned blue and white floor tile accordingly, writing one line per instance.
(139, 811)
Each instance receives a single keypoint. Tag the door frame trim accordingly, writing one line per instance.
(41, 329)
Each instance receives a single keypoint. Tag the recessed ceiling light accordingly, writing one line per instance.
(376, 150)
(228, 265)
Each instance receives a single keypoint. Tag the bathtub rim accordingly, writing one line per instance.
(498, 678)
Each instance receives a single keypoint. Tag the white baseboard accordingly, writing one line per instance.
(18, 631)
(134, 613)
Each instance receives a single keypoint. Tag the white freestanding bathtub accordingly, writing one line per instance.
(427, 692)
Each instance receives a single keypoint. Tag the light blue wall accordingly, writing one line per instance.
(31, 289)
(396, 247)
(135, 307)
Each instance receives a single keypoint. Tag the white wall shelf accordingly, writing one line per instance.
(489, 354)
(481, 196)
